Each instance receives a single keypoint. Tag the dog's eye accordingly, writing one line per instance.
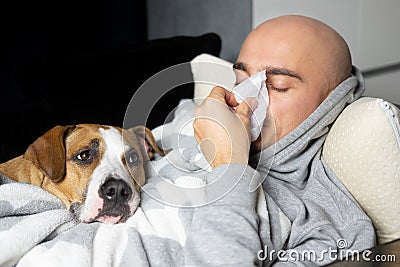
(132, 157)
(84, 155)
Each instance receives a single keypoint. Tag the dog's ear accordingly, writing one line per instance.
(48, 152)
(148, 144)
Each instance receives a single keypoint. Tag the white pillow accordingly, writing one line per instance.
(363, 150)
(209, 71)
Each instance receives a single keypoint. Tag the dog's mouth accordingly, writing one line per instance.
(112, 215)
(116, 214)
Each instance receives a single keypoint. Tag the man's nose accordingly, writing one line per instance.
(115, 191)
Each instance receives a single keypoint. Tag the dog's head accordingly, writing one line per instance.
(95, 170)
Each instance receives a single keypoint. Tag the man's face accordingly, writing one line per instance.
(295, 81)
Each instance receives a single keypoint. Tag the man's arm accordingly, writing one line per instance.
(225, 231)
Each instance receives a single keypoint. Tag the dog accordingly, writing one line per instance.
(95, 170)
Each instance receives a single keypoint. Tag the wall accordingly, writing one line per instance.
(370, 28)
(231, 19)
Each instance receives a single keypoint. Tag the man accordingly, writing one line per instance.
(310, 79)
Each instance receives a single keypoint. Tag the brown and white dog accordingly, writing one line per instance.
(96, 170)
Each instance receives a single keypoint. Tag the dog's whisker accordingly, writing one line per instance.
(75, 209)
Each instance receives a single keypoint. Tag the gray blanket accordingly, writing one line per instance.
(170, 228)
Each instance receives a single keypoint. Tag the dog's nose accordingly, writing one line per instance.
(115, 190)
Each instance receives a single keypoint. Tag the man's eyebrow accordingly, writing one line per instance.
(239, 66)
(270, 70)
(282, 71)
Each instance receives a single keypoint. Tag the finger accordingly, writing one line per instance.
(231, 99)
(221, 94)
(247, 107)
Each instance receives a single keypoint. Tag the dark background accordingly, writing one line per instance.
(69, 62)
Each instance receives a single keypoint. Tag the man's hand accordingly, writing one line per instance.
(223, 132)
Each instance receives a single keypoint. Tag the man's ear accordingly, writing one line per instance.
(48, 152)
(147, 142)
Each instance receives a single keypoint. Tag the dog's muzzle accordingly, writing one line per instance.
(114, 202)
(115, 192)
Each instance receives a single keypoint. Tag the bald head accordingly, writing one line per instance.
(316, 44)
